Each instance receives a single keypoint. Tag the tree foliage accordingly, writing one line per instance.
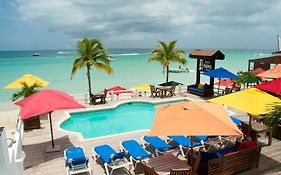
(26, 91)
(166, 53)
(92, 54)
(274, 117)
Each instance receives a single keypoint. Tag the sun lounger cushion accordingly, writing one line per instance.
(204, 138)
(135, 149)
(195, 89)
(200, 86)
(157, 143)
(236, 120)
(105, 152)
(184, 141)
(227, 150)
(75, 153)
(75, 156)
(248, 144)
(206, 156)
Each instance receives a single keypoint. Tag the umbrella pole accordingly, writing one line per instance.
(191, 152)
(219, 86)
(51, 127)
(249, 127)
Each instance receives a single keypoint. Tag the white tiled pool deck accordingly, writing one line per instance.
(37, 162)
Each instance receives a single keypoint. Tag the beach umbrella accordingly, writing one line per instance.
(29, 80)
(170, 83)
(142, 87)
(116, 89)
(258, 71)
(189, 119)
(225, 82)
(193, 119)
(46, 101)
(273, 86)
(252, 101)
(274, 72)
(220, 73)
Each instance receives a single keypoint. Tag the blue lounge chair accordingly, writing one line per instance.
(236, 120)
(135, 150)
(232, 139)
(111, 159)
(76, 161)
(158, 144)
(184, 143)
(217, 142)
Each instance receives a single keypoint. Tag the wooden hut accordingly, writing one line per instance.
(206, 60)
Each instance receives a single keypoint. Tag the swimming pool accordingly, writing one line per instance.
(124, 118)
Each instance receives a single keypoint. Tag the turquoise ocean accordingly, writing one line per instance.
(130, 68)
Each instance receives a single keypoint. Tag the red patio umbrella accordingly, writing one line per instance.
(46, 101)
(118, 88)
(225, 82)
(273, 86)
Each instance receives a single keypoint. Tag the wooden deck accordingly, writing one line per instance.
(37, 162)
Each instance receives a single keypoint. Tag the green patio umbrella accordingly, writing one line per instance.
(170, 83)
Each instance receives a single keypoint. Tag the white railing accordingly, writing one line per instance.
(124, 94)
(12, 157)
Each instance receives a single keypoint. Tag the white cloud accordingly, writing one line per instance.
(141, 20)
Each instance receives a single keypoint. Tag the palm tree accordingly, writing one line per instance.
(26, 91)
(91, 53)
(167, 53)
(274, 117)
(247, 77)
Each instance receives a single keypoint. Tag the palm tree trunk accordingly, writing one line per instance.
(167, 74)
(89, 80)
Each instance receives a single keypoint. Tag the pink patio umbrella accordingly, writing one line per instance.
(118, 88)
(258, 71)
(46, 101)
(274, 72)
(273, 86)
(225, 82)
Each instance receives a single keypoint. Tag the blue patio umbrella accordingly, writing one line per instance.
(220, 73)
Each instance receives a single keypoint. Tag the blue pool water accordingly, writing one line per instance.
(124, 118)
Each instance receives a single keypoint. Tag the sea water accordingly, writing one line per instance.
(130, 68)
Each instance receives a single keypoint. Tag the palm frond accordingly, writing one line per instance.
(26, 91)
(274, 117)
(105, 68)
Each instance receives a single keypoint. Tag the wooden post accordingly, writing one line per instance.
(213, 65)
(198, 71)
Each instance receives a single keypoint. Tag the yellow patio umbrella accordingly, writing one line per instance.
(29, 80)
(142, 87)
(252, 101)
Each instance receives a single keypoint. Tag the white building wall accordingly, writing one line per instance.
(11, 158)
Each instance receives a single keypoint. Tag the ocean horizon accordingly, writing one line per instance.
(130, 68)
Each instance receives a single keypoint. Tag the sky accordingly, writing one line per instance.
(59, 24)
